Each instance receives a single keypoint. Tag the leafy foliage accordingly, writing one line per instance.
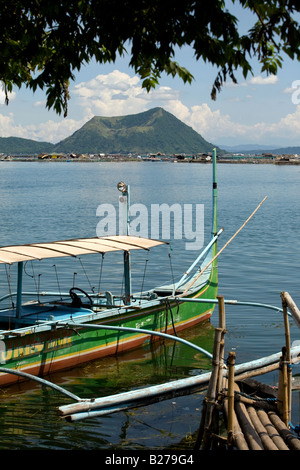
(43, 42)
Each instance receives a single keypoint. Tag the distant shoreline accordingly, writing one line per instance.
(244, 161)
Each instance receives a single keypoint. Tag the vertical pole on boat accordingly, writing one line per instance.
(127, 268)
(19, 289)
(124, 205)
(127, 277)
(214, 218)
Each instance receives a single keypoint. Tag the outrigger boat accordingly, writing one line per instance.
(42, 337)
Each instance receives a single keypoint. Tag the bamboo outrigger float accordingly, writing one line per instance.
(43, 336)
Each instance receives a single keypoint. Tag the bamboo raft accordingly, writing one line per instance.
(256, 416)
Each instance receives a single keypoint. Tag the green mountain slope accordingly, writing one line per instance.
(152, 131)
(17, 145)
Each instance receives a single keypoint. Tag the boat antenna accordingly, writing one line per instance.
(8, 277)
(85, 273)
(39, 286)
(144, 275)
(171, 267)
(31, 275)
(215, 193)
(100, 273)
(57, 281)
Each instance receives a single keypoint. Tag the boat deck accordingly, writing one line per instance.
(33, 313)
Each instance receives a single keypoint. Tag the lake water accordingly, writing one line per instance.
(49, 201)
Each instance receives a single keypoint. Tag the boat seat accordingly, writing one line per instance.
(166, 290)
(161, 292)
(109, 298)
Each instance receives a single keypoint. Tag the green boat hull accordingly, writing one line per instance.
(41, 350)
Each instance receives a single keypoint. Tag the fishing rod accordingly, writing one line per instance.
(222, 249)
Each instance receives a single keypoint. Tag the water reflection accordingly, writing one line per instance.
(29, 416)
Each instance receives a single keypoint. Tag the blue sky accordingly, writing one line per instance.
(260, 110)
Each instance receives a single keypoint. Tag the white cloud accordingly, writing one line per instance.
(38, 104)
(288, 126)
(111, 95)
(213, 125)
(9, 128)
(289, 90)
(49, 131)
(231, 84)
(119, 93)
(259, 80)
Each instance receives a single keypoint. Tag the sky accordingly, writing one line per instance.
(261, 110)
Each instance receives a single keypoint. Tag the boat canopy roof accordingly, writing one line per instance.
(75, 247)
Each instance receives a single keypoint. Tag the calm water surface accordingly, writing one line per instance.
(50, 201)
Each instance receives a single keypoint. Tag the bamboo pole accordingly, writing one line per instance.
(280, 389)
(250, 433)
(258, 371)
(216, 363)
(238, 436)
(221, 303)
(291, 440)
(212, 388)
(288, 354)
(222, 326)
(266, 440)
(230, 423)
(285, 410)
(271, 430)
(292, 307)
(222, 249)
(283, 406)
(286, 329)
(175, 388)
